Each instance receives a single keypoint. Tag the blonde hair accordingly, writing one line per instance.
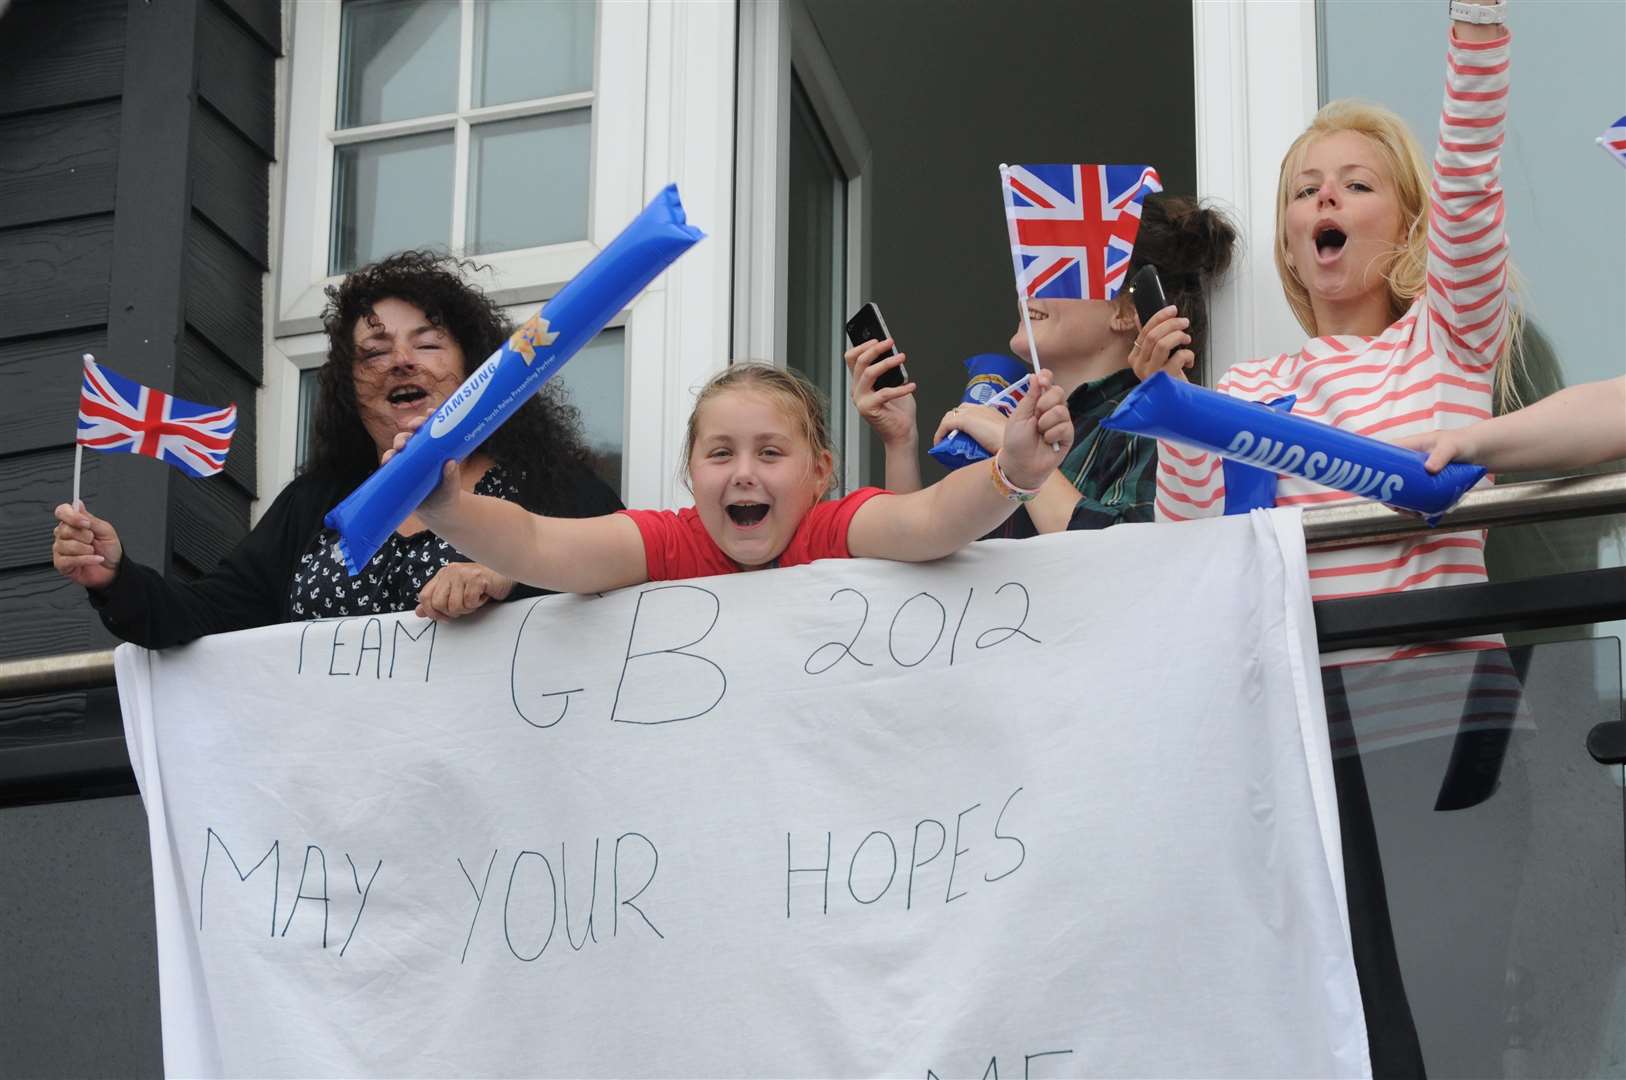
(1407, 271)
(801, 401)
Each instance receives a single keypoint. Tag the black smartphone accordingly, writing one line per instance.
(1147, 291)
(867, 325)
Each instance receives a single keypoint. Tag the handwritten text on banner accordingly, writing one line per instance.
(1050, 808)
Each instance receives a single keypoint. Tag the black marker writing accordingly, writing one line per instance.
(274, 853)
(843, 651)
(954, 859)
(891, 874)
(916, 862)
(300, 893)
(790, 869)
(592, 901)
(539, 718)
(479, 897)
(695, 672)
(1022, 849)
(364, 894)
(618, 903)
(508, 904)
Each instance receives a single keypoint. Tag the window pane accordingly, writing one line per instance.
(525, 49)
(398, 59)
(817, 281)
(1491, 844)
(596, 379)
(389, 195)
(529, 182)
(307, 415)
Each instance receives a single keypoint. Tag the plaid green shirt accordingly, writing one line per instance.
(1115, 473)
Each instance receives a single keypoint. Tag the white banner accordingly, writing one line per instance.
(1055, 807)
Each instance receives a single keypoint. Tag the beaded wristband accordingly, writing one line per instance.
(1003, 485)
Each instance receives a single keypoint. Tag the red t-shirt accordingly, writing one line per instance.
(677, 545)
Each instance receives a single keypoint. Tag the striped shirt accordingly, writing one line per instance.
(1432, 369)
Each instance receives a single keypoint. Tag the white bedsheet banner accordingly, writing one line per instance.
(1051, 808)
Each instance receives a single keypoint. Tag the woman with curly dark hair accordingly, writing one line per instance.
(403, 333)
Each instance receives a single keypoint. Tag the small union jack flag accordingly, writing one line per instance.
(120, 415)
(1009, 398)
(1075, 226)
(1614, 140)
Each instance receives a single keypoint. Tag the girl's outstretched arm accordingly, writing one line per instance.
(575, 555)
(1583, 425)
(966, 504)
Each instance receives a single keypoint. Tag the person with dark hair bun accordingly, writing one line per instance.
(403, 333)
(1109, 477)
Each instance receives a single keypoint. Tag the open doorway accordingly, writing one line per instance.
(940, 94)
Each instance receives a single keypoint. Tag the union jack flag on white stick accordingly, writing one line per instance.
(1614, 140)
(1073, 227)
(120, 415)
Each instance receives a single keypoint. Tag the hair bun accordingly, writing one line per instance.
(1184, 237)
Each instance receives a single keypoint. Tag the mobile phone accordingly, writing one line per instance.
(1147, 291)
(867, 325)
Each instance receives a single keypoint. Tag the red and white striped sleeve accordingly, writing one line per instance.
(1190, 483)
(1467, 239)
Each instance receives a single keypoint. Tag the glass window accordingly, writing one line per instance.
(307, 415)
(596, 379)
(533, 50)
(416, 127)
(391, 194)
(510, 162)
(399, 61)
(817, 280)
(1482, 846)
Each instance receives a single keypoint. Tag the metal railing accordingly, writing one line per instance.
(1359, 522)
(1504, 504)
(55, 674)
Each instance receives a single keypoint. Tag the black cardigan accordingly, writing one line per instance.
(250, 586)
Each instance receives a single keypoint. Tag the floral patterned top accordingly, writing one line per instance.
(391, 581)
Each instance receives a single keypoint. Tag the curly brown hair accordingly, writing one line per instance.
(541, 445)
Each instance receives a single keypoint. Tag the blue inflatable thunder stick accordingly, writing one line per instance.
(992, 379)
(1245, 431)
(511, 375)
(1248, 488)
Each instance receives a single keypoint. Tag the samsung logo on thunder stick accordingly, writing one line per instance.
(1334, 472)
(463, 398)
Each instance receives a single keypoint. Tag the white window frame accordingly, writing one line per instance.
(617, 103)
(1247, 116)
(663, 105)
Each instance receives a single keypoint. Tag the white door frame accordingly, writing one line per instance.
(775, 39)
(1257, 88)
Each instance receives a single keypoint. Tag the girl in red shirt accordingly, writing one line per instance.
(759, 463)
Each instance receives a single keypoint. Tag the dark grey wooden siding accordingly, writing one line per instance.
(135, 142)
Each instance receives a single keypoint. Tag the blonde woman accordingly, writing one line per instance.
(1402, 279)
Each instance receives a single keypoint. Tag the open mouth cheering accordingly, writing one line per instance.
(747, 514)
(1329, 241)
(406, 395)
